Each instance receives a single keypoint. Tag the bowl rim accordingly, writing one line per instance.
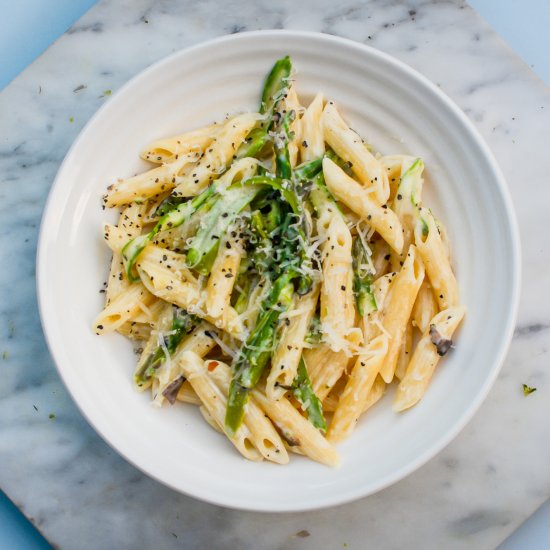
(54, 346)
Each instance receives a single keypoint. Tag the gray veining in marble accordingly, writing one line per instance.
(78, 491)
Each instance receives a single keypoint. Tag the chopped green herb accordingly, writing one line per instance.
(107, 92)
(528, 389)
(5, 355)
(71, 119)
(51, 416)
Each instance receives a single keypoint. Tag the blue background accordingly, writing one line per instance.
(29, 27)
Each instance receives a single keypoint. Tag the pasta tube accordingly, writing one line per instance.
(215, 402)
(362, 377)
(357, 198)
(401, 299)
(312, 145)
(434, 344)
(435, 258)
(349, 146)
(218, 156)
(298, 432)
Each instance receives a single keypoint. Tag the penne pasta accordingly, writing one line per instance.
(377, 391)
(337, 301)
(292, 103)
(435, 342)
(372, 321)
(405, 352)
(357, 198)
(122, 309)
(150, 184)
(171, 281)
(325, 367)
(435, 258)
(217, 157)
(163, 151)
(425, 307)
(222, 277)
(349, 146)
(297, 432)
(129, 226)
(352, 401)
(312, 144)
(264, 435)
(400, 301)
(215, 402)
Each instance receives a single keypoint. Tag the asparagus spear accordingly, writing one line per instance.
(168, 204)
(263, 249)
(202, 253)
(362, 279)
(273, 218)
(283, 135)
(171, 219)
(308, 170)
(275, 89)
(288, 192)
(182, 324)
(253, 144)
(283, 186)
(302, 390)
(276, 85)
(256, 352)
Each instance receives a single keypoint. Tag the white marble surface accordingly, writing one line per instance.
(77, 490)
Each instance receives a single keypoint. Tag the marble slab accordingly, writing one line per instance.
(77, 490)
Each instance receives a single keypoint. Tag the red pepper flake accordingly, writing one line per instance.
(212, 365)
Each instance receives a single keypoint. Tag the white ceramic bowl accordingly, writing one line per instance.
(398, 111)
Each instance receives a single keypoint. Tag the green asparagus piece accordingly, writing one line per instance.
(205, 245)
(254, 143)
(275, 88)
(236, 402)
(288, 192)
(315, 332)
(283, 186)
(308, 170)
(168, 204)
(256, 352)
(182, 324)
(263, 248)
(320, 195)
(410, 182)
(302, 390)
(274, 217)
(362, 279)
(244, 282)
(344, 165)
(276, 85)
(172, 219)
(283, 135)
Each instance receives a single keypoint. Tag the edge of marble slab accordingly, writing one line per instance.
(513, 58)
